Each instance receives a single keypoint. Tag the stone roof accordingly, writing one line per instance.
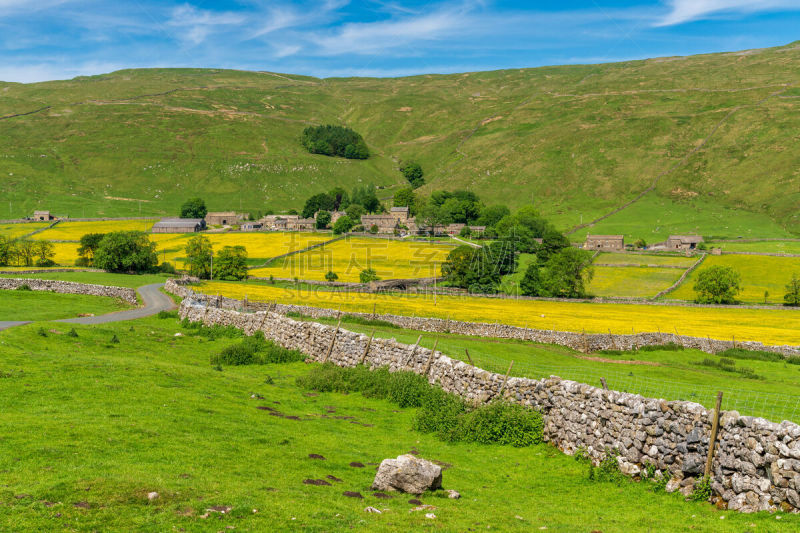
(221, 214)
(608, 237)
(402, 209)
(688, 239)
(178, 223)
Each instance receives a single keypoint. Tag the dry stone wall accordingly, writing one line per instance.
(586, 343)
(757, 462)
(70, 287)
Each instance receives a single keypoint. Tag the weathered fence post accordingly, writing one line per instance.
(430, 359)
(712, 441)
(603, 383)
(366, 350)
(468, 357)
(505, 380)
(333, 340)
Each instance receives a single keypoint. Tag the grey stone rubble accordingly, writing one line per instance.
(586, 343)
(407, 474)
(70, 287)
(757, 462)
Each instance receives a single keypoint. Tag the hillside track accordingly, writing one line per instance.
(685, 159)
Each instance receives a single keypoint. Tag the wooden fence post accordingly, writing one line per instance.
(734, 342)
(468, 357)
(585, 343)
(500, 393)
(430, 358)
(373, 310)
(713, 440)
(366, 350)
(603, 383)
(333, 340)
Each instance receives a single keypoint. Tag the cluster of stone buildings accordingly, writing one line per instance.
(613, 243)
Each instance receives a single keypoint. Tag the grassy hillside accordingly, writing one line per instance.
(709, 136)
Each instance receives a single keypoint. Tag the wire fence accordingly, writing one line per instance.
(773, 406)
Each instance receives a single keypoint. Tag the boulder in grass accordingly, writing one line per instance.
(408, 474)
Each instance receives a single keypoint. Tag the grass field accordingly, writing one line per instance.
(759, 273)
(42, 305)
(391, 259)
(604, 132)
(260, 246)
(174, 425)
(98, 278)
(611, 258)
(654, 218)
(15, 231)
(673, 375)
(73, 231)
(631, 282)
(773, 247)
(778, 326)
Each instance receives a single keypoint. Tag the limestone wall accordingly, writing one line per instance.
(757, 466)
(577, 341)
(70, 287)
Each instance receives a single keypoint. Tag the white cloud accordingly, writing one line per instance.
(197, 24)
(373, 37)
(56, 70)
(690, 10)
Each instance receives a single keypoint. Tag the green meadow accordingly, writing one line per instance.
(91, 427)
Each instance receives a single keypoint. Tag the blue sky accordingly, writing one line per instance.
(59, 39)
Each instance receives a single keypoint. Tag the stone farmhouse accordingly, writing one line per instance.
(179, 225)
(336, 215)
(385, 223)
(683, 242)
(222, 218)
(43, 215)
(301, 224)
(400, 213)
(605, 242)
(277, 222)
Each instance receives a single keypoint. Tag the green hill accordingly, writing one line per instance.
(709, 141)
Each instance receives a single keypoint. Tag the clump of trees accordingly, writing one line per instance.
(792, 296)
(89, 244)
(26, 252)
(717, 285)
(333, 140)
(126, 251)
(230, 263)
(412, 171)
(194, 208)
(564, 274)
(479, 269)
(360, 201)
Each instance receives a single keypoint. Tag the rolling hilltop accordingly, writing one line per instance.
(704, 143)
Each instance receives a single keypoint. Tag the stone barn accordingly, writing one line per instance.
(222, 218)
(179, 225)
(605, 242)
(43, 215)
(683, 242)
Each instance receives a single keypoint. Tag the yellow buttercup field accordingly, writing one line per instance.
(171, 247)
(73, 231)
(632, 282)
(776, 327)
(14, 231)
(759, 273)
(391, 259)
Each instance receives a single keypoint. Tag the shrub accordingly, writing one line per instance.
(608, 470)
(729, 365)
(255, 350)
(24, 287)
(41, 332)
(114, 339)
(668, 347)
(45, 262)
(167, 314)
(72, 333)
(755, 355)
(354, 319)
(442, 413)
(331, 276)
(166, 268)
(502, 423)
(702, 490)
(367, 275)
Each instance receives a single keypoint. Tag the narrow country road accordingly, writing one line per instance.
(154, 301)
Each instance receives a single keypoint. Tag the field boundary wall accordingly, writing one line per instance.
(757, 462)
(70, 287)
